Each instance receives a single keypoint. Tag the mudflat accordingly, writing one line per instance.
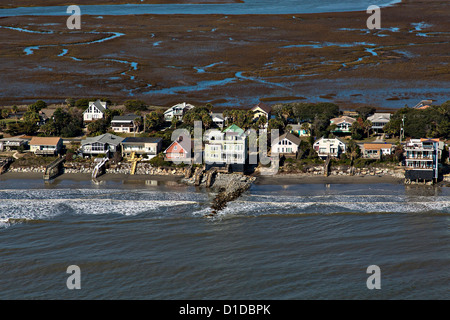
(231, 61)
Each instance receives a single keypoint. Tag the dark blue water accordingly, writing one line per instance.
(249, 7)
(139, 240)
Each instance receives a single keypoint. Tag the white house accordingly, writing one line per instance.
(377, 150)
(150, 146)
(95, 111)
(379, 120)
(125, 123)
(177, 111)
(286, 144)
(227, 147)
(50, 146)
(329, 147)
(107, 144)
(343, 124)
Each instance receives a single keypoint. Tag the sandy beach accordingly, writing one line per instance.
(279, 179)
(286, 179)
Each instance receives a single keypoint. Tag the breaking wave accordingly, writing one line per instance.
(42, 205)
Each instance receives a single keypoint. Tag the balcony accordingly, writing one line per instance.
(45, 152)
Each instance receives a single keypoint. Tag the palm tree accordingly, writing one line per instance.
(5, 113)
(367, 125)
(137, 123)
(14, 111)
(306, 127)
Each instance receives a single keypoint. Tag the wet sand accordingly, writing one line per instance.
(287, 179)
(234, 60)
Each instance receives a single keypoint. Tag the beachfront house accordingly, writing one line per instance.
(422, 159)
(343, 124)
(14, 143)
(226, 148)
(180, 150)
(261, 109)
(286, 144)
(141, 146)
(379, 120)
(177, 111)
(127, 123)
(46, 146)
(326, 147)
(95, 111)
(107, 144)
(377, 150)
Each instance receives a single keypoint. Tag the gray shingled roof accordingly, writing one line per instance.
(99, 106)
(142, 140)
(296, 140)
(128, 117)
(108, 138)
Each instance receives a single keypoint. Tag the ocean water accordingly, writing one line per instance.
(151, 240)
(249, 7)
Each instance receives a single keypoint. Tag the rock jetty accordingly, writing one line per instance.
(229, 186)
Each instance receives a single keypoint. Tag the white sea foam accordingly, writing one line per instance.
(48, 204)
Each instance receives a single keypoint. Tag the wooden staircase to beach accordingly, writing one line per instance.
(54, 169)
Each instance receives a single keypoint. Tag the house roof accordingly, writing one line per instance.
(218, 116)
(104, 138)
(142, 140)
(262, 106)
(45, 141)
(423, 104)
(429, 140)
(329, 139)
(377, 146)
(379, 117)
(183, 106)
(14, 139)
(234, 128)
(183, 143)
(98, 104)
(128, 117)
(342, 119)
(290, 137)
(298, 126)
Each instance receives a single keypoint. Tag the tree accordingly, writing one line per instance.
(14, 111)
(365, 111)
(82, 103)
(367, 126)
(135, 105)
(357, 130)
(5, 113)
(153, 120)
(31, 116)
(353, 150)
(98, 127)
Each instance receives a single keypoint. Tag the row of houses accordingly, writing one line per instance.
(129, 123)
(106, 144)
(230, 147)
